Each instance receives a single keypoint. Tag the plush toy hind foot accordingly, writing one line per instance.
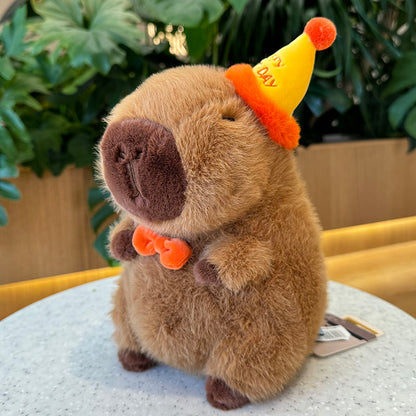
(223, 397)
(135, 361)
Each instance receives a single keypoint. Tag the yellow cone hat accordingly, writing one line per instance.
(275, 86)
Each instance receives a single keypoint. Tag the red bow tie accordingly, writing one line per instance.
(174, 253)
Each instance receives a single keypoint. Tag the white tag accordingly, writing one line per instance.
(333, 333)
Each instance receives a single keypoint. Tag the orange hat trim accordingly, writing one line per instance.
(281, 127)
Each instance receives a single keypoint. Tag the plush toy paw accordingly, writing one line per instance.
(135, 361)
(206, 274)
(121, 246)
(222, 396)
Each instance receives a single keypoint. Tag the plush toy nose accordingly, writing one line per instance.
(143, 169)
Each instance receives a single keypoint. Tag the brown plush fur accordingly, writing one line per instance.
(246, 213)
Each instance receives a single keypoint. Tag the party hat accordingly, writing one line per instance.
(275, 86)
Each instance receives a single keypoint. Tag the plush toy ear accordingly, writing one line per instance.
(275, 86)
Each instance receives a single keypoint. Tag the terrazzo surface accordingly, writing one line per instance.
(57, 358)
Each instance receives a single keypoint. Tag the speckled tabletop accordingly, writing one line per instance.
(57, 358)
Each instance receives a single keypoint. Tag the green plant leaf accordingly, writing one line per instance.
(96, 196)
(29, 83)
(337, 97)
(79, 80)
(16, 151)
(101, 244)
(93, 41)
(6, 68)
(213, 9)
(361, 94)
(315, 103)
(114, 18)
(7, 169)
(9, 190)
(19, 148)
(410, 11)
(53, 72)
(188, 13)
(343, 44)
(32, 103)
(14, 32)
(322, 73)
(198, 40)
(15, 124)
(403, 75)
(7, 145)
(18, 90)
(81, 148)
(375, 29)
(86, 48)
(238, 5)
(365, 50)
(400, 107)
(46, 131)
(356, 79)
(68, 13)
(294, 10)
(3, 217)
(58, 160)
(101, 215)
(410, 123)
(412, 144)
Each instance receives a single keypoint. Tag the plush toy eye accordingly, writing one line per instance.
(228, 118)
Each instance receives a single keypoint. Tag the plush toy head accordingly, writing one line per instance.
(176, 156)
(185, 154)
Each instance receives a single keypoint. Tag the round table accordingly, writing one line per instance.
(57, 358)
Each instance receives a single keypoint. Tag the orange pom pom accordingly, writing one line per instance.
(321, 31)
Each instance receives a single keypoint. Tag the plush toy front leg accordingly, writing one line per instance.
(121, 246)
(130, 353)
(206, 273)
(234, 261)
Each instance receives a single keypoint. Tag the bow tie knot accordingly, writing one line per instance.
(174, 253)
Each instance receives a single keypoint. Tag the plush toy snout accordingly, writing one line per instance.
(143, 169)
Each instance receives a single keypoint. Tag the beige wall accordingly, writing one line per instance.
(360, 182)
(48, 231)
(5, 5)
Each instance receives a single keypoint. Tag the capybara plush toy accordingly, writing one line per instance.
(222, 269)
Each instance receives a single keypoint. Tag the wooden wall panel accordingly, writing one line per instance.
(360, 182)
(48, 231)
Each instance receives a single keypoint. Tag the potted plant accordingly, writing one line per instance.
(56, 67)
